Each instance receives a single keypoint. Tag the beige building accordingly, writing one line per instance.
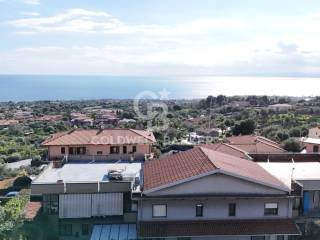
(97, 145)
(314, 132)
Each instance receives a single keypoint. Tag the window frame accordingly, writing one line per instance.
(271, 214)
(64, 230)
(134, 148)
(164, 216)
(232, 209)
(63, 150)
(51, 204)
(199, 206)
(85, 229)
(315, 148)
(114, 147)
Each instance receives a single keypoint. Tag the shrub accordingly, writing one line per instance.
(23, 181)
(292, 145)
(36, 161)
(13, 158)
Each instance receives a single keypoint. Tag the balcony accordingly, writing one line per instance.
(108, 158)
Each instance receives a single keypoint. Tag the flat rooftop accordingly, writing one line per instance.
(87, 172)
(298, 171)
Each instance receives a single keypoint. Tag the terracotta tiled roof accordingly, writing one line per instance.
(228, 149)
(31, 210)
(96, 136)
(218, 228)
(176, 167)
(200, 160)
(255, 144)
(8, 122)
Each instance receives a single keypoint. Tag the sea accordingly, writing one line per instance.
(55, 87)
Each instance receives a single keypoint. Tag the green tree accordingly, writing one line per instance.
(245, 127)
(292, 145)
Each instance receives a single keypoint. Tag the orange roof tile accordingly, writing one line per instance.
(255, 144)
(99, 137)
(228, 149)
(200, 160)
(31, 210)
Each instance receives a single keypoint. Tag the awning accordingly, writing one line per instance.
(114, 232)
(256, 227)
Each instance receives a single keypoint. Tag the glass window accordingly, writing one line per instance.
(134, 149)
(85, 229)
(63, 150)
(81, 150)
(271, 209)
(159, 210)
(51, 204)
(315, 148)
(199, 210)
(71, 150)
(280, 237)
(258, 238)
(99, 153)
(124, 149)
(134, 206)
(115, 150)
(65, 229)
(232, 209)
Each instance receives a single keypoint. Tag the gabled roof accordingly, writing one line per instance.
(100, 137)
(199, 162)
(228, 149)
(255, 144)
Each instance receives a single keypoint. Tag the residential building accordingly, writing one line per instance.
(255, 144)
(79, 196)
(106, 116)
(206, 194)
(228, 149)
(8, 123)
(82, 122)
(49, 118)
(314, 132)
(279, 107)
(301, 172)
(23, 115)
(100, 144)
(210, 132)
(312, 145)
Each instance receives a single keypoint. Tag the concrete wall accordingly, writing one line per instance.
(105, 187)
(39, 189)
(55, 151)
(217, 184)
(214, 208)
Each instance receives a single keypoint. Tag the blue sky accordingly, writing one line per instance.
(163, 37)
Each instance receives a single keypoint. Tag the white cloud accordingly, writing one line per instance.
(32, 2)
(32, 14)
(81, 20)
(277, 45)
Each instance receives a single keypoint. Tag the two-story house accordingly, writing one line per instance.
(206, 194)
(100, 144)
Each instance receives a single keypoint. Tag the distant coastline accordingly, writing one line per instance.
(55, 87)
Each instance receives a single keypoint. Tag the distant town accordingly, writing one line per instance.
(231, 168)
